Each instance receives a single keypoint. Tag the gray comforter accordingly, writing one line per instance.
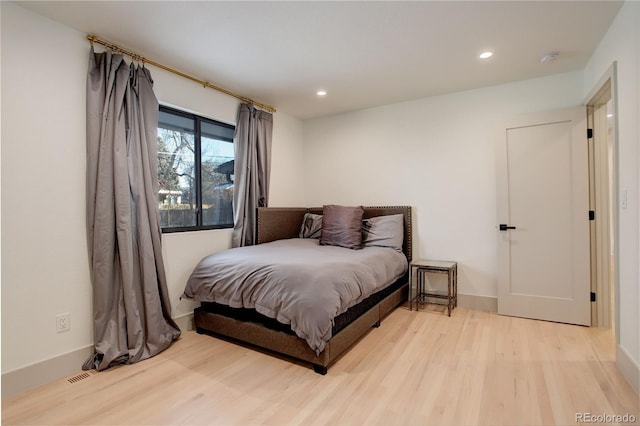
(295, 281)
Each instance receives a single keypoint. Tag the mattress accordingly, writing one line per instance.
(296, 281)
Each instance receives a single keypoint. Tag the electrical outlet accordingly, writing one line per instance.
(63, 322)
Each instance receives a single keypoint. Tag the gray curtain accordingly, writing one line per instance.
(251, 173)
(131, 307)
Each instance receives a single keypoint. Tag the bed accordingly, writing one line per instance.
(243, 315)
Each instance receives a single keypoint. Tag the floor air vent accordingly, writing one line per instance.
(81, 376)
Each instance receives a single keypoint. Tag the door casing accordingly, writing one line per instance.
(602, 115)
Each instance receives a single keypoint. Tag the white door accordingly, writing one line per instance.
(543, 194)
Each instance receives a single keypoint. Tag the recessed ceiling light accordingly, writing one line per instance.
(321, 93)
(486, 55)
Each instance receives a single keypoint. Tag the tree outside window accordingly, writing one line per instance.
(195, 172)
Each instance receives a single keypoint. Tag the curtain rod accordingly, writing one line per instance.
(93, 39)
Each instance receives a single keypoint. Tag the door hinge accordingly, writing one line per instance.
(593, 296)
(589, 133)
(592, 215)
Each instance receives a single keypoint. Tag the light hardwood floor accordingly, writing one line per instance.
(418, 368)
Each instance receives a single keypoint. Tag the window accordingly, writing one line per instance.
(195, 172)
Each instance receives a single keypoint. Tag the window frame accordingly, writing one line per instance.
(198, 120)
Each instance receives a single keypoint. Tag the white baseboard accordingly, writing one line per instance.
(40, 373)
(65, 365)
(185, 321)
(628, 367)
(479, 303)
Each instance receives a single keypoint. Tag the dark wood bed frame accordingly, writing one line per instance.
(276, 223)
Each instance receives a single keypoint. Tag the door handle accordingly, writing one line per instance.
(504, 227)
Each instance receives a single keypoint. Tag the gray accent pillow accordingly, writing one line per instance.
(384, 231)
(311, 226)
(342, 226)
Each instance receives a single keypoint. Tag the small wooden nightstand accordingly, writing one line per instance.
(419, 268)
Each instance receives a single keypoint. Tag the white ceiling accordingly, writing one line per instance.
(362, 53)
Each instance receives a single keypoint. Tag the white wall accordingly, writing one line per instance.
(287, 168)
(44, 254)
(622, 45)
(44, 247)
(435, 154)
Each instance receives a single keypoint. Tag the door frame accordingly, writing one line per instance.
(599, 197)
(604, 90)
